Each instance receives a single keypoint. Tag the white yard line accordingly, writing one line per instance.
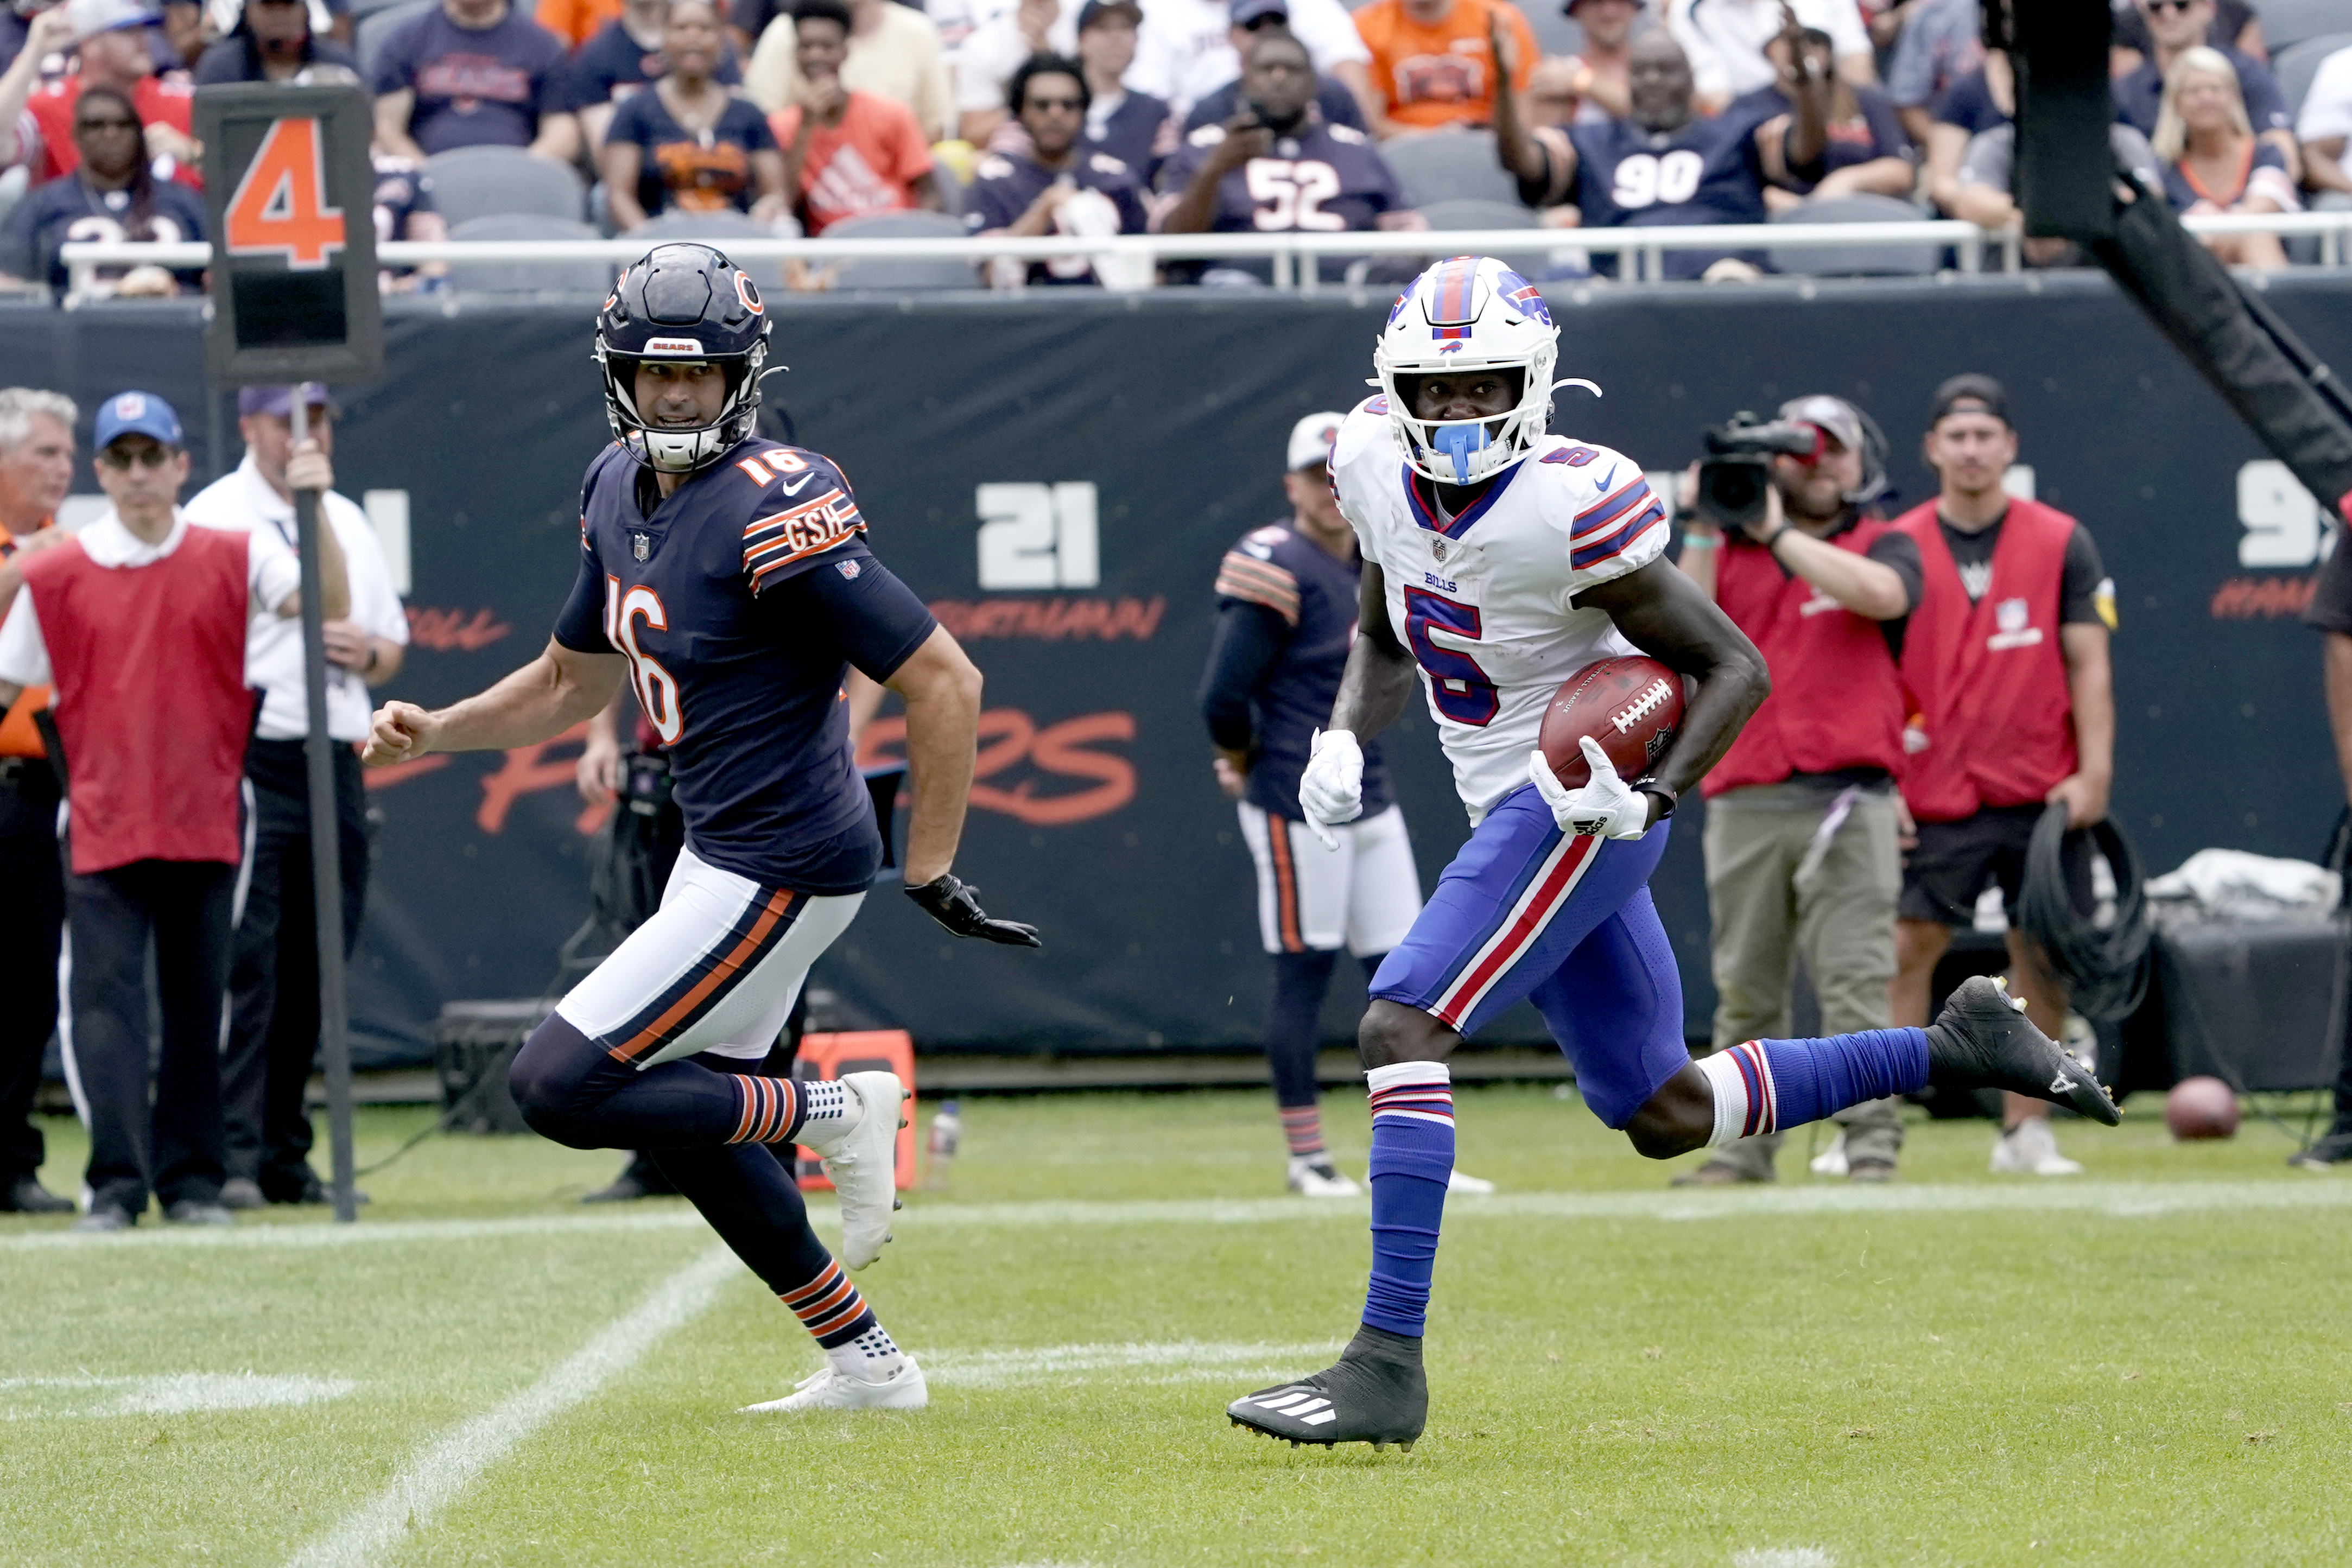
(430, 1480)
(1164, 1361)
(2111, 1200)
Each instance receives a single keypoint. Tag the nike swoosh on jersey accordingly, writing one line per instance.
(797, 485)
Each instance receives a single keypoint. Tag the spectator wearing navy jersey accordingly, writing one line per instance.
(272, 42)
(1664, 165)
(474, 73)
(273, 1032)
(1982, 100)
(1133, 127)
(1287, 602)
(1820, 135)
(111, 193)
(2175, 28)
(687, 143)
(621, 60)
(1060, 186)
(2211, 161)
(1334, 99)
(1274, 168)
(140, 622)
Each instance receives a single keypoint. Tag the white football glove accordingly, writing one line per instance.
(1331, 789)
(1606, 805)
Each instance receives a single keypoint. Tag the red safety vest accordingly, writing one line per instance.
(151, 698)
(1836, 699)
(1987, 682)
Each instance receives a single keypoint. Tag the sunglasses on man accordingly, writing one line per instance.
(143, 456)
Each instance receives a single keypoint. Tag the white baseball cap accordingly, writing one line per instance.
(91, 17)
(1311, 439)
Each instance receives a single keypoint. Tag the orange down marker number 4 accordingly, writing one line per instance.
(280, 206)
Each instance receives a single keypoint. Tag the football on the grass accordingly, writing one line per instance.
(1631, 706)
(2201, 1107)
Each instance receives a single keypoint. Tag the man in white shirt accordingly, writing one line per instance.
(140, 622)
(1186, 50)
(274, 967)
(893, 52)
(1725, 40)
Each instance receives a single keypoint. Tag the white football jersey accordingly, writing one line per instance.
(1483, 600)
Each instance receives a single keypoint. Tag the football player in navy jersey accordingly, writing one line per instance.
(727, 579)
(1663, 165)
(1276, 168)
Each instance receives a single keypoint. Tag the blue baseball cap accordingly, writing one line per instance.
(279, 400)
(136, 414)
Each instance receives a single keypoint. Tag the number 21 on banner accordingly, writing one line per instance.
(280, 205)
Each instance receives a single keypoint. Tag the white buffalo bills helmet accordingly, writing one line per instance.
(1468, 313)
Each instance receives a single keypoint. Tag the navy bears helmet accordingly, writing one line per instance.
(682, 303)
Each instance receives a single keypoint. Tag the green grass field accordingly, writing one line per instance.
(2147, 1364)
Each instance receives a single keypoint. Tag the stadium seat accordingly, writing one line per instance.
(1464, 216)
(2295, 68)
(717, 227)
(951, 189)
(370, 28)
(2287, 23)
(526, 277)
(485, 182)
(362, 9)
(1857, 260)
(1449, 165)
(885, 273)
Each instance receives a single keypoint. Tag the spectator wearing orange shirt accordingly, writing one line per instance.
(35, 471)
(576, 21)
(846, 153)
(1433, 65)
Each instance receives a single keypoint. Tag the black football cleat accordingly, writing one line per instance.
(1374, 1394)
(1982, 1039)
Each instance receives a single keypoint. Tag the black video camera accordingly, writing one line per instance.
(1738, 469)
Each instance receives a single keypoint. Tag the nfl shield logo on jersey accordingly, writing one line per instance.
(640, 545)
(1437, 552)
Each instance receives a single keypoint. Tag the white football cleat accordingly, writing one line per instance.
(1468, 1185)
(833, 1389)
(863, 1163)
(1830, 1161)
(1314, 1175)
(2030, 1148)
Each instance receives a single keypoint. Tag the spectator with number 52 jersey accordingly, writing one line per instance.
(1276, 168)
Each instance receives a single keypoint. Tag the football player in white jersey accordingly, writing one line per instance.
(1498, 561)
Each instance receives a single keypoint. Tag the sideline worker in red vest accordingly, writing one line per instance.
(2005, 660)
(139, 621)
(35, 471)
(1802, 842)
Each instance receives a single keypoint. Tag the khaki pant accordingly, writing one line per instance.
(1773, 900)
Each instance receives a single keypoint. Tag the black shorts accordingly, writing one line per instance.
(1953, 862)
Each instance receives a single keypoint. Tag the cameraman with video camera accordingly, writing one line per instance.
(1802, 836)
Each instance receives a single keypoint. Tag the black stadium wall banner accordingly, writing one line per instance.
(1058, 478)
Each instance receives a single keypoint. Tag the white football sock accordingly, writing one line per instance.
(1736, 1113)
(833, 1112)
(873, 1355)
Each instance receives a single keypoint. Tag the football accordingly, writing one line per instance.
(1631, 706)
(2201, 1107)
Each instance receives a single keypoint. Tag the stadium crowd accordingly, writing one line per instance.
(1098, 117)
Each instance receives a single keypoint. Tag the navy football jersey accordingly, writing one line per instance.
(1328, 179)
(1003, 184)
(1703, 172)
(1284, 662)
(739, 602)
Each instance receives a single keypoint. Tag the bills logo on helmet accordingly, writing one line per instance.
(1403, 299)
(1526, 295)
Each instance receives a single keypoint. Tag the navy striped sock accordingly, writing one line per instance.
(1412, 1158)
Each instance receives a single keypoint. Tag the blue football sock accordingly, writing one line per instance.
(1412, 1157)
(1771, 1085)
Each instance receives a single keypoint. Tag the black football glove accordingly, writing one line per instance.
(956, 905)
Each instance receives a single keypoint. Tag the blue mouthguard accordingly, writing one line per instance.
(1457, 442)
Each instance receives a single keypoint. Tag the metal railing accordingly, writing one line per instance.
(1294, 259)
